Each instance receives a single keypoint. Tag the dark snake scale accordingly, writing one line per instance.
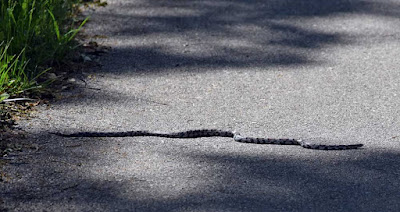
(214, 133)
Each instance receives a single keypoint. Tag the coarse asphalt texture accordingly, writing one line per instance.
(323, 70)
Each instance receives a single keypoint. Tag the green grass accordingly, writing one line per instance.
(34, 35)
(12, 76)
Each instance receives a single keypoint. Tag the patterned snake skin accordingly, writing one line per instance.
(214, 133)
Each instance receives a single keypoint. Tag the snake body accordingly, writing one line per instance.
(215, 133)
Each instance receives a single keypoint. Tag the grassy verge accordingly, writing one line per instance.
(34, 35)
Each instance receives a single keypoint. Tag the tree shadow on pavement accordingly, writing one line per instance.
(229, 181)
(163, 35)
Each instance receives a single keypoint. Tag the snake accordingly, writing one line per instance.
(214, 133)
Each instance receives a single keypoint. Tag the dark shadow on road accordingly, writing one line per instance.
(213, 34)
(232, 182)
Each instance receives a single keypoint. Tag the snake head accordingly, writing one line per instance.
(237, 136)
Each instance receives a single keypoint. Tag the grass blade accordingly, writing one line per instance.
(55, 24)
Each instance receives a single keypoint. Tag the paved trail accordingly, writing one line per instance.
(316, 69)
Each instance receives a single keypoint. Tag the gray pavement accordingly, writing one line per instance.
(321, 70)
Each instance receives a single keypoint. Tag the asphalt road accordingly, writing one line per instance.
(319, 69)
